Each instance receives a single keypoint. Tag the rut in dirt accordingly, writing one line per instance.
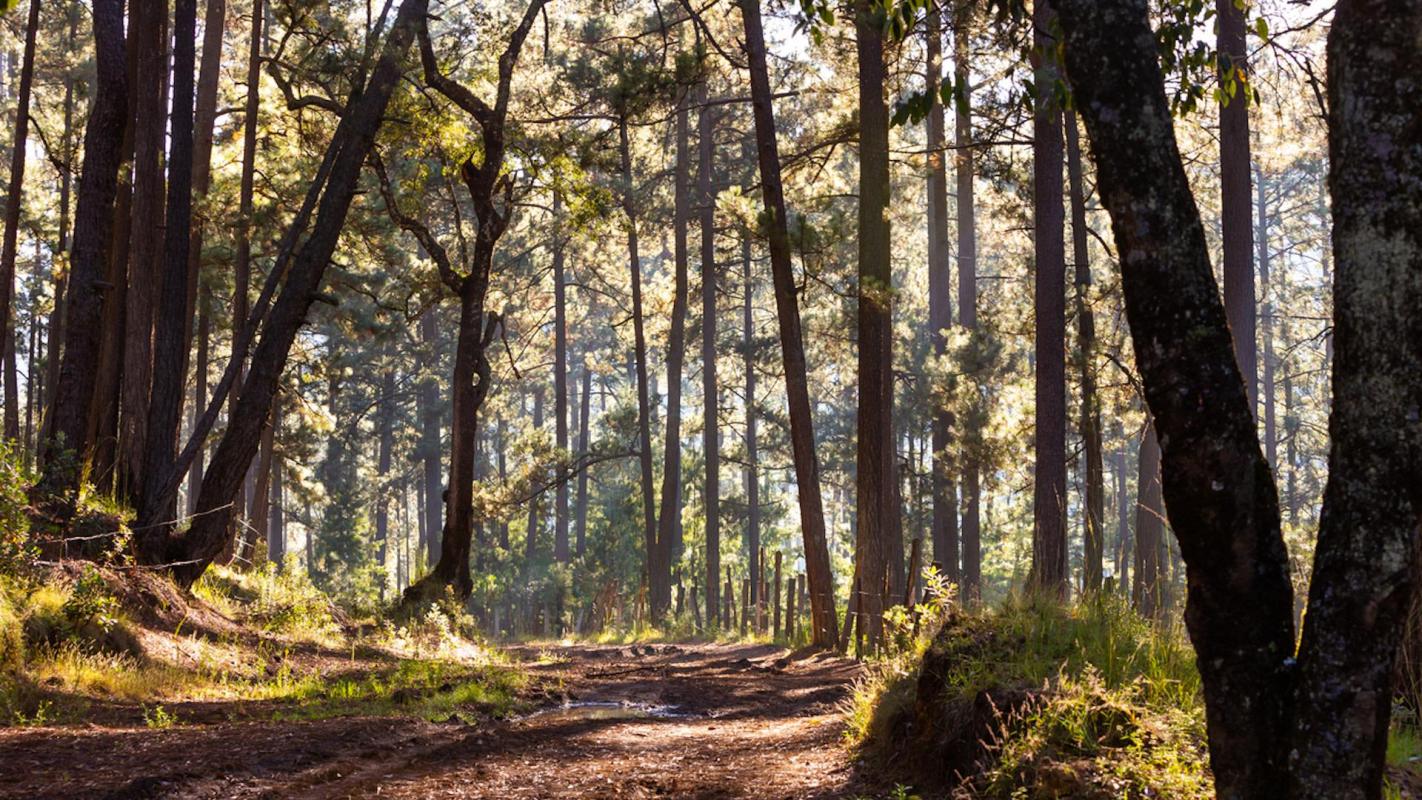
(695, 721)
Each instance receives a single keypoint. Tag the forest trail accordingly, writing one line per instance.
(684, 720)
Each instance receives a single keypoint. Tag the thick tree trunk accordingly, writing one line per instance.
(1094, 505)
(710, 398)
(967, 279)
(669, 519)
(1365, 567)
(204, 122)
(93, 220)
(351, 143)
(1049, 538)
(940, 310)
(1236, 226)
(879, 546)
(148, 24)
(15, 190)
(1217, 486)
(170, 346)
(792, 348)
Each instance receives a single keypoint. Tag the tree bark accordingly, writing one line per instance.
(561, 552)
(1094, 505)
(792, 348)
(940, 310)
(1049, 539)
(967, 279)
(879, 546)
(584, 442)
(1266, 324)
(385, 448)
(170, 346)
(57, 318)
(430, 438)
(15, 190)
(1236, 227)
(93, 221)
(1365, 568)
(752, 468)
(1216, 483)
(710, 397)
(276, 526)
(1146, 591)
(204, 122)
(669, 520)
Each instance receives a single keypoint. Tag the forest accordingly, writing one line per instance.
(695, 398)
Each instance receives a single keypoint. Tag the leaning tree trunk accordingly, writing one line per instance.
(191, 551)
(1216, 483)
(792, 347)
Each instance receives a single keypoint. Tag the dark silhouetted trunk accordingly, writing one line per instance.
(204, 333)
(940, 310)
(1150, 529)
(170, 346)
(792, 348)
(350, 144)
(1094, 507)
(710, 399)
(204, 120)
(93, 221)
(967, 280)
(879, 545)
(1049, 539)
(15, 190)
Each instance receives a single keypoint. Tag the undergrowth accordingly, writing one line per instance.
(1037, 699)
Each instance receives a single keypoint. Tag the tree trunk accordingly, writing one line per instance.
(669, 520)
(584, 441)
(1150, 529)
(1049, 540)
(940, 310)
(1236, 227)
(93, 220)
(710, 398)
(967, 280)
(204, 332)
(752, 468)
(792, 348)
(879, 546)
(561, 552)
(261, 516)
(530, 542)
(148, 29)
(1266, 298)
(385, 447)
(204, 122)
(644, 425)
(1365, 568)
(57, 332)
(430, 446)
(170, 346)
(276, 526)
(15, 190)
(1123, 525)
(1094, 510)
(350, 144)
(1216, 483)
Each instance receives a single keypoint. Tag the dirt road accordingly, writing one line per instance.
(684, 721)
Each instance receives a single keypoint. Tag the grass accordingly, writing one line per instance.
(1090, 700)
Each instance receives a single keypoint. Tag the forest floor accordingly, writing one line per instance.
(682, 720)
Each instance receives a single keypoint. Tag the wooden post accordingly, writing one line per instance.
(745, 605)
(775, 598)
(790, 612)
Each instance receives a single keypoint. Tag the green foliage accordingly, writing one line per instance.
(158, 718)
(278, 601)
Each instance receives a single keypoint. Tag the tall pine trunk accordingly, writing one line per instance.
(967, 279)
(1094, 507)
(1236, 225)
(710, 398)
(561, 552)
(14, 198)
(792, 348)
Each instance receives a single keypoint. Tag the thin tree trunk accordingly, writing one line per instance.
(561, 552)
(430, 447)
(584, 442)
(530, 542)
(204, 333)
(710, 401)
(1236, 226)
(967, 280)
(1094, 511)
(1049, 540)
(879, 544)
(204, 122)
(386, 446)
(276, 526)
(14, 198)
(940, 310)
(57, 317)
(792, 349)
(669, 519)
(1123, 525)
(1150, 527)
(261, 515)
(1266, 298)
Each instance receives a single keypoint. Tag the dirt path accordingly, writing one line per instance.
(692, 721)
